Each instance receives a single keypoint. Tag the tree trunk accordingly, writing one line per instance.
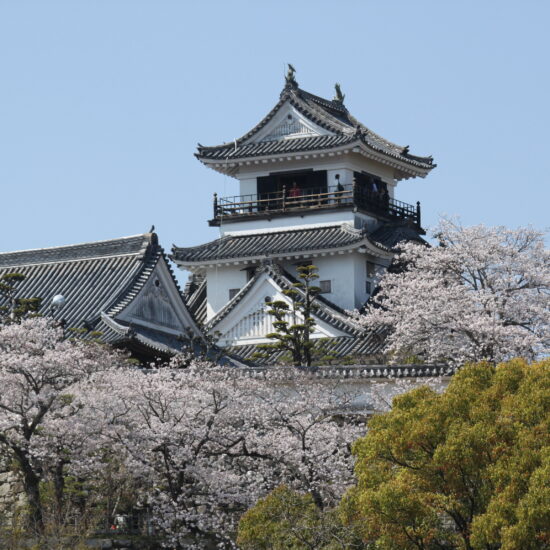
(31, 483)
(59, 486)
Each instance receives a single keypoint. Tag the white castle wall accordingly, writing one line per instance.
(339, 270)
(346, 272)
(306, 220)
(219, 280)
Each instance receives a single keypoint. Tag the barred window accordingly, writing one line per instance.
(325, 286)
(371, 270)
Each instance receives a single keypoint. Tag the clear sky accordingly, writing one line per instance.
(102, 103)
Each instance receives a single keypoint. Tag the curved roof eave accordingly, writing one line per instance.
(292, 243)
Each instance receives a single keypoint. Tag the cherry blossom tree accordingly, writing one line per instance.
(482, 294)
(39, 377)
(207, 442)
(197, 444)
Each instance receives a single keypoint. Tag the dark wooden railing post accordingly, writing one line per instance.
(418, 220)
(215, 205)
(354, 191)
(284, 197)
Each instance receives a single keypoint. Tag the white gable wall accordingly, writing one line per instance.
(286, 124)
(249, 321)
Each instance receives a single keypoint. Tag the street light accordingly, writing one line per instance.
(58, 301)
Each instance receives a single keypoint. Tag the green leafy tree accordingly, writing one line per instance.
(14, 308)
(468, 469)
(288, 520)
(293, 335)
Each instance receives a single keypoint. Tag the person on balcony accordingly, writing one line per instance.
(339, 191)
(294, 193)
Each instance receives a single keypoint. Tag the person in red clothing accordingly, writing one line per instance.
(294, 192)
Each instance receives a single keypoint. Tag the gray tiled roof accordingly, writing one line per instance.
(271, 244)
(390, 235)
(116, 332)
(330, 115)
(196, 303)
(275, 147)
(95, 278)
(126, 246)
(261, 245)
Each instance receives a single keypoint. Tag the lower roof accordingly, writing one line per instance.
(289, 241)
(98, 280)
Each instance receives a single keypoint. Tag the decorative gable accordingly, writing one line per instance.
(159, 305)
(289, 123)
(154, 306)
(249, 321)
(288, 128)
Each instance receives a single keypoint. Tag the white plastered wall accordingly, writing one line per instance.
(219, 281)
(338, 270)
(347, 274)
(306, 220)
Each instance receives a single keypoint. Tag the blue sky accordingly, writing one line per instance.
(102, 104)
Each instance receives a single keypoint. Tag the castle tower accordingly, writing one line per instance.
(316, 187)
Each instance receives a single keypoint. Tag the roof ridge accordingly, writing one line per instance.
(328, 114)
(119, 300)
(289, 94)
(330, 103)
(288, 230)
(76, 245)
(90, 250)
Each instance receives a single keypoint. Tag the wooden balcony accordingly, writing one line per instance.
(289, 201)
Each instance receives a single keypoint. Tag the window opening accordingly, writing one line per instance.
(325, 286)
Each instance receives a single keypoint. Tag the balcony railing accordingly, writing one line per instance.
(289, 200)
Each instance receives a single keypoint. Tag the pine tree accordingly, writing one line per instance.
(293, 322)
(15, 308)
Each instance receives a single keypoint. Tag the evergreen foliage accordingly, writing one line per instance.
(293, 335)
(16, 308)
(289, 520)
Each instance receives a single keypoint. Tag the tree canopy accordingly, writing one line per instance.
(468, 469)
(482, 294)
(15, 308)
(193, 443)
